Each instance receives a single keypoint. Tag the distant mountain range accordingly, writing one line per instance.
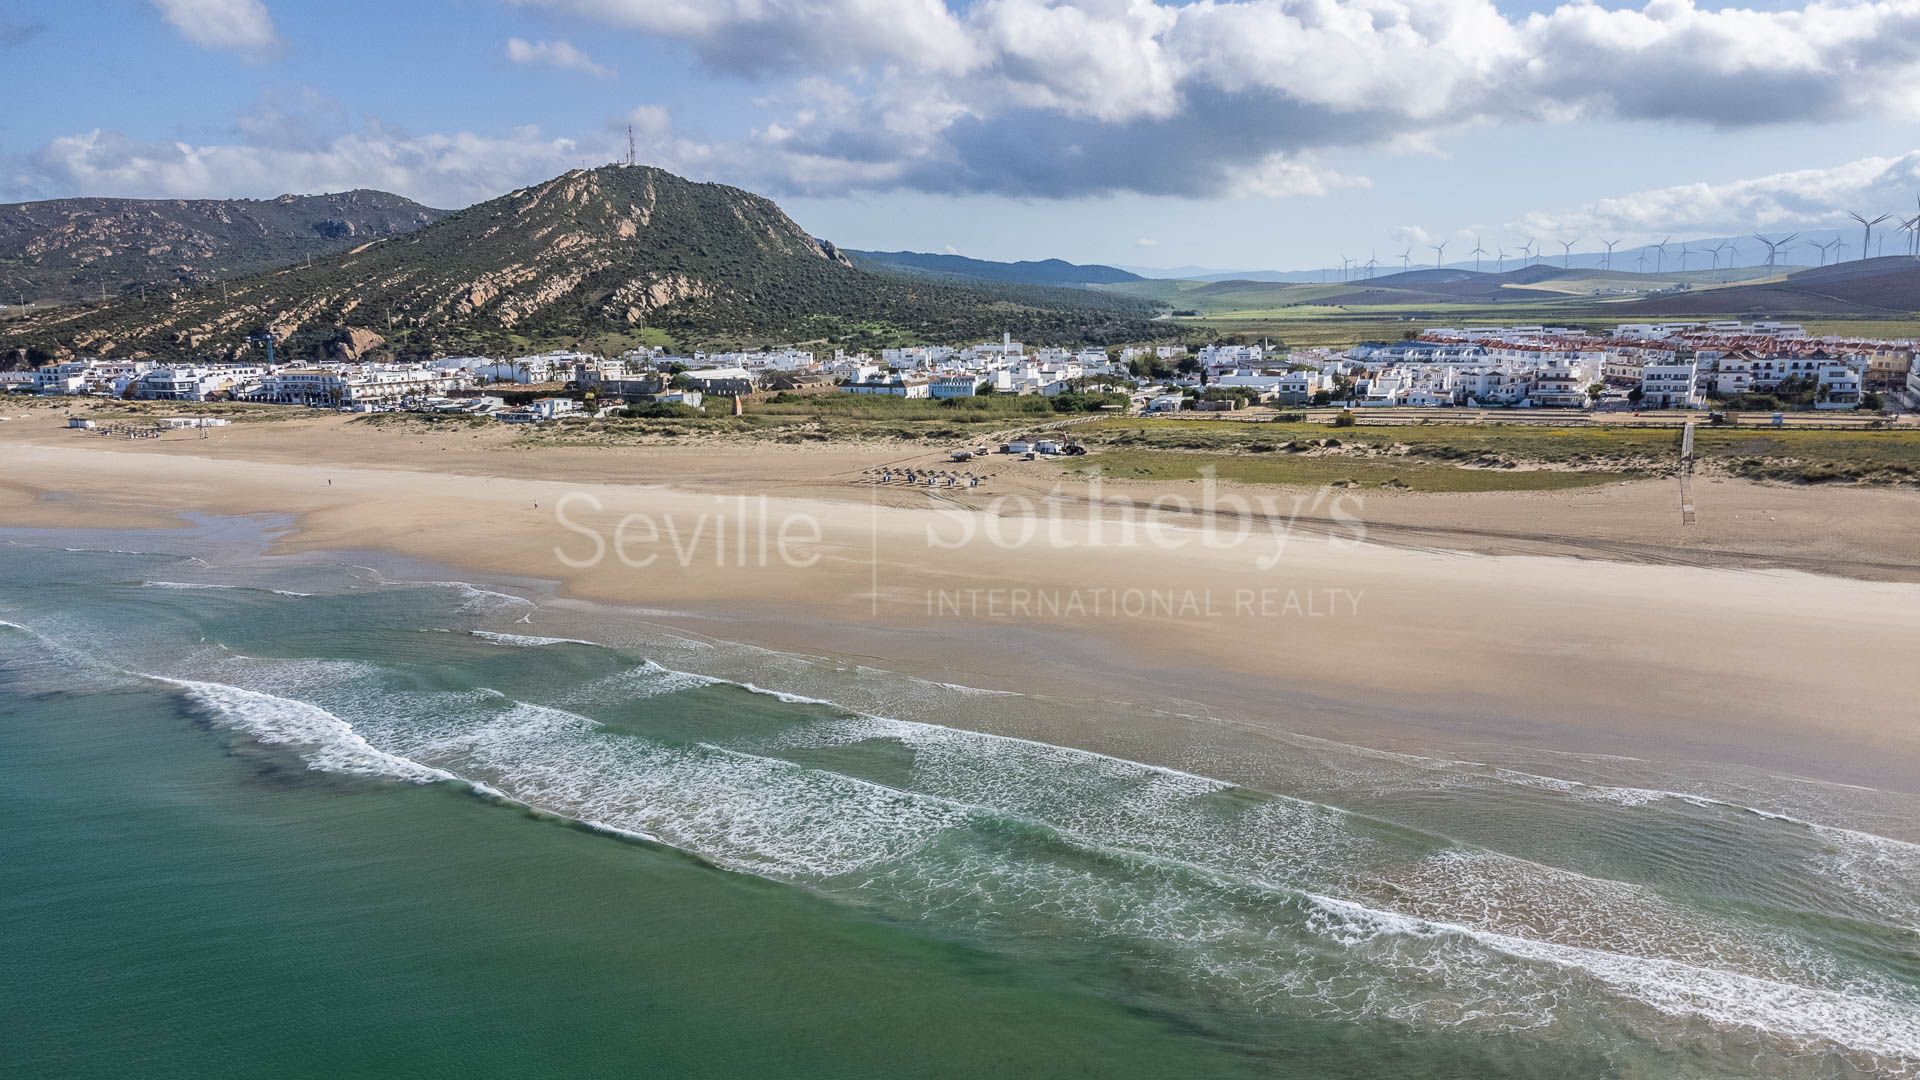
(1043, 272)
(606, 257)
(90, 249)
(1870, 287)
(1810, 247)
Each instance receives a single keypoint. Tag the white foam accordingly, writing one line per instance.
(199, 585)
(644, 681)
(526, 641)
(327, 742)
(1671, 986)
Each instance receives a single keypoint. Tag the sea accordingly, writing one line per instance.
(345, 815)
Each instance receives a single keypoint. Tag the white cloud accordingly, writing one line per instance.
(441, 169)
(738, 34)
(555, 54)
(1280, 176)
(1799, 199)
(1054, 98)
(237, 26)
(650, 119)
(1146, 242)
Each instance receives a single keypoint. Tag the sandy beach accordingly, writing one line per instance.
(1586, 620)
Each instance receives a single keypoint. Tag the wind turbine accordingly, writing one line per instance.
(1406, 259)
(1609, 262)
(1912, 227)
(1502, 253)
(1641, 261)
(1734, 249)
(1476, 253)
(1824, 248)
(1867, 242)
(1527, 249)
(1566, 253)
(1683, 256)
(1660, 254)
(1774, 246)
(1373, 258)
(1344, 263)
(1438, 250)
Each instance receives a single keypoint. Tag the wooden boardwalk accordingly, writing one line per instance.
(1686, 474)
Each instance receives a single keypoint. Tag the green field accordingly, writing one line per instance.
(1486, 457)
(1290, 469)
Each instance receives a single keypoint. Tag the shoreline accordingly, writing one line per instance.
(1442, 650)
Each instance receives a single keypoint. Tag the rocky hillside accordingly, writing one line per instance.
(620, 253)
(83, 249)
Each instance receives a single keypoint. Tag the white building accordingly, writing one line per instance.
(1672, 384)
(891, 384)
(953, 386)
(191, 383)
(365, 384)
(1561, 384)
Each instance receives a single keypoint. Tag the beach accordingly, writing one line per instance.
(1586, 620)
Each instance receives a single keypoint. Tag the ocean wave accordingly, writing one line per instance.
(526, 640)
(1674, 987)
(328, 742)
(202, 585)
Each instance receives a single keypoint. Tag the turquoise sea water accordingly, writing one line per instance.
(334, 819)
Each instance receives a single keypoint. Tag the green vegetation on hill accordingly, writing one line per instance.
(1041, 272)
(593, 256)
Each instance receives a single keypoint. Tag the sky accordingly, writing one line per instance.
(1224, 134)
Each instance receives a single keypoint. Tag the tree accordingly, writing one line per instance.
(1636, 395)
(1594, 391)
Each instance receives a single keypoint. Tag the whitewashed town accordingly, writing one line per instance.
(1638, 366)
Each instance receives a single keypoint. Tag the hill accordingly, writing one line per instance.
(1534, 283)
(1882, 286)
(82, 249)
(1042, 272)
(602, 257)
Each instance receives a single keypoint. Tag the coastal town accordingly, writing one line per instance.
(1639, 366)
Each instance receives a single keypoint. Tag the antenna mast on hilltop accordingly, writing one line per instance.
(630, 154)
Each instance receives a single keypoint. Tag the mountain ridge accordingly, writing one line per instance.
(615, 255)
(66, 250)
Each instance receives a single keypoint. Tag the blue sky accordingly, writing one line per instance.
(1220, 133)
